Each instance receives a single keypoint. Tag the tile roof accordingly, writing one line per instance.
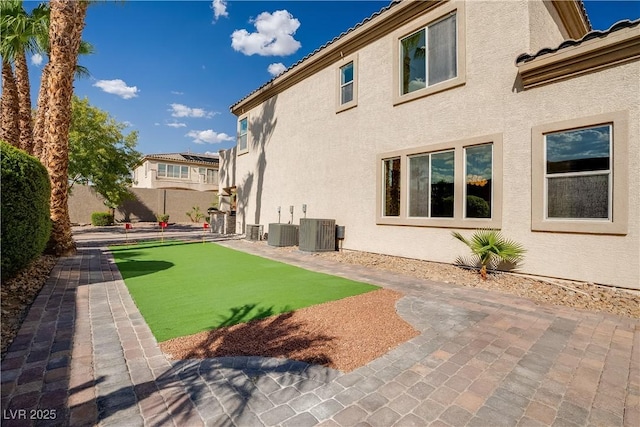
(185, 157)
(620, 25)
(324, 46)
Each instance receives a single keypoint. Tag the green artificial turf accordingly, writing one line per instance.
(185, 288)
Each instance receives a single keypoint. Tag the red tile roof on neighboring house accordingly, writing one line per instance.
(185, 158)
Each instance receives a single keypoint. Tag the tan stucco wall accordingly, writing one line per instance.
(149, 202)
(311, 155)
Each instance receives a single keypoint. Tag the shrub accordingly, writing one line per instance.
(490, 247)
(102, 218)
(195, 215)
(26, 223)
(477, 207)
(162, 217)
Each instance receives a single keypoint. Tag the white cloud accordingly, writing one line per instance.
(180, 110)
(274, 36)
(117, 87)
(36, 59)
(177, 125)
(219, 9)
(276, 68)
(208, 136)
(127, 123)
(175, 92)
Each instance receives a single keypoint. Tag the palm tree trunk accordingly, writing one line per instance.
(41, 114)
(67, 22)
(10, 131)
(24, 101)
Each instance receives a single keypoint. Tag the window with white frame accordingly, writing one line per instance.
(173, 171)
(429, 55)
(243, 130)
(578, 173)
(391, 187)
(431, 185)
(346, 83)
(478, 181)
(454, 184)
(209, 176)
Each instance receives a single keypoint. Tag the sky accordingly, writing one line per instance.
(170, 70)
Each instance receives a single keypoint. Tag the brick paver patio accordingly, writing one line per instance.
(85, 356)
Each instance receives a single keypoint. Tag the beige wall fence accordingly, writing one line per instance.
(146, 205)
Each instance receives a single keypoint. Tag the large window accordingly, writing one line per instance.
(243, 131)
(431, 185)
(456, 184)
(429, 55)
(173, 171)
(579, 175)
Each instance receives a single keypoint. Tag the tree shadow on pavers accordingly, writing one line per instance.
(250, 370)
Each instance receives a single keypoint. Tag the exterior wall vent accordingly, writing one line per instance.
(317, 235)
(254, 232)
(283, 235)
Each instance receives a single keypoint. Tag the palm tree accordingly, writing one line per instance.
(9, 104)
(65, 32)
(19, 33)
(10, 128)
(86, 48)
(488, 245)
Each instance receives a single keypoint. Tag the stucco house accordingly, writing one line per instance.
(182, 171)
(438, 116)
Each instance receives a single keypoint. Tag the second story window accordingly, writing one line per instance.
(242, 134)
(209, 176)
(173, 171)
(346, 83)
(429, 56)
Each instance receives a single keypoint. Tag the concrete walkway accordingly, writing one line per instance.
(85, 356)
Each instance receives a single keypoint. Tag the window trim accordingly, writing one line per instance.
(238, 135)
(422, 23)
(458, 221)
(342, 63)
(618, 166)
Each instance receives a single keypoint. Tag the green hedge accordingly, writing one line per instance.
(26, 225)
(101, 218)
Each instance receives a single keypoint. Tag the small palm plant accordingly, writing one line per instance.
(491, 247)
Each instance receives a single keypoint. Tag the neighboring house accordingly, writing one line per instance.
(431, 117)
(184, 171)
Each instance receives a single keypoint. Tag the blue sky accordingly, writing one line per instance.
(171, 69)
